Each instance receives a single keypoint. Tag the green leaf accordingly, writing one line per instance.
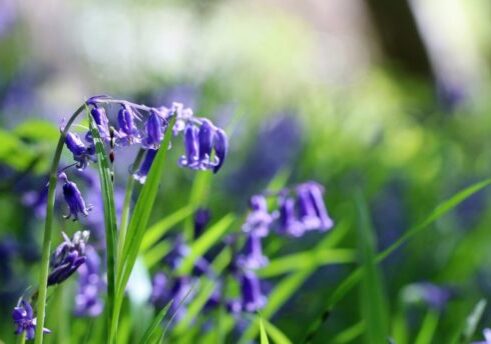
(204, 242)
(305, 260)
(138, 225)
(472, 321)
(350, 334)
(107, 190)
(262, 333)
(275, 333)
(154, 327)
(373, 303)
(428, 328)
(155, 254)
(350, 281)
(155, 232)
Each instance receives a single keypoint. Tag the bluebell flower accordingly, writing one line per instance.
(154, 131)
(205, 139)
(252, 254)
(201, 219)
(487, 337)
(176, 256)
(128, 133)
(88, 300)
(258, 220)
(102, 122)
(141, 174)
(81, 153)
(190, 159)
(160, 292)
(432, 295)
(221, 148)
(180, 294)
(73, 198)
(289, 224)
(252, 297)
(37, 201)
(25, 321)
(67, 257)
(183, 116)
(311, 208)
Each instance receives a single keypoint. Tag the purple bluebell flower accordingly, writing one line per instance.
(36, 200)
(432, 295)
(180, 294)
(128, 132)
(67, 257)
(201, 219)
(288, 221)
(154, 131)
(191, 145)
(252, 298)
(205, 139)
(160, 292)
(221, 148)
(252, 254)
(102, 122)
(73, 198)
(88, 300)
(487, 337)
(82, 154)
(176, 256)
(259, 219)
(141, 174)
(183, 116)
(25, 321)
(233, 306)
(315, 192)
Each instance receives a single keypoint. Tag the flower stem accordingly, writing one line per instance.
(125, 213)
(48, 229)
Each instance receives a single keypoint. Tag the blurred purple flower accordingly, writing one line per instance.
(252, 298)
(141, 174)
(25, 321)
(259, 219)
(128, 132)
(160, 292)
(289, 224)
(201, 219)
(252, 255)
(312, 209)
(88, 301)
(154, 131)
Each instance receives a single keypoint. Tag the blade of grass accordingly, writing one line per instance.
(155, 232)
(197, 198)
(154, 255)
(204, 242)
(262, 332)
(275, 333)
(110, 222)
(356, 275)
(373, 304)
(471, 322)
(307, 259)
(155, 325)
(428, 328)
(137, 226)
(350, 334)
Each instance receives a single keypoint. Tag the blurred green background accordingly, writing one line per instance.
(387, 97)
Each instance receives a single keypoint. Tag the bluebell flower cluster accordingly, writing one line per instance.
(68, 257)
(24, 320)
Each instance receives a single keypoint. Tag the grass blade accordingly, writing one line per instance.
(275, 333)
(138, 225)
(110, 222)
(372, 300)
(155, 325)
(428, 328)
(204, 242)
(262, 332)
(350, 334)
(472, 321)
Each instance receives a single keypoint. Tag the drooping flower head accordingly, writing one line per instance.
(289, 223)
(128, 132)
(201, 219)
(154, 131)
(73, 198)
(25, 321)
(259, 219)
(252, 254)
(252, 297)
(68, 257)
(81, 153)
(102, 122)
(88, 300)
(141, 174)
(311, 205)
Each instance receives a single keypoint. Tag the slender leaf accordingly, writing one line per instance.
(372, 300)
(350, 334)
(156, 323)
(472, 321)
(155, 232)
(155, 255)
(204, 242)
(428, 328)
(275, 333)
(110, 221)
(262, 333)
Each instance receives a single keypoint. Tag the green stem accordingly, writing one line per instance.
(21, 339)
(48, 229)
(125, 213)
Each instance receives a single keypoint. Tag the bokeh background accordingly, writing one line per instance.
(387, 97)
